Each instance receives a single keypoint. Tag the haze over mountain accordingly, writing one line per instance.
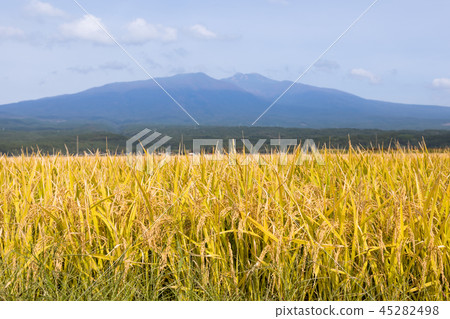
(238, 100)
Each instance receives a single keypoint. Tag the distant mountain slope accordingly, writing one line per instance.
(238, 100)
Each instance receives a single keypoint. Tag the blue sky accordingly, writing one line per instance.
(400, 51)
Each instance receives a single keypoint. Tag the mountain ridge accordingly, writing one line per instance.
(236, 100)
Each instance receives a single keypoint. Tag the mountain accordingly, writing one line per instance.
(237, 100)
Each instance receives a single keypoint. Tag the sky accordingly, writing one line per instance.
(399, 51)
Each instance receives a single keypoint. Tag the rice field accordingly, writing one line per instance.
(364, 225)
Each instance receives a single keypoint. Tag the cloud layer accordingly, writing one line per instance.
(107, 66)
(39, 8)
(200, 31)
(140, 31)
(327, 65)
(442, 83)
(11, 32)
(86, 28)
(364, 74)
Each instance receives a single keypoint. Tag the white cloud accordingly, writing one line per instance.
(442, 83)
(364, 74)
(327, 65)
(113, 66)
(201, 31)
(86, 28)
(140, 31)
(11, 32)
(44, 9)
(108, 66)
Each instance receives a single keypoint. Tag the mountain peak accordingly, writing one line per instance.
(257, 84)
(197, 75)
(198, 80)
(239, 77)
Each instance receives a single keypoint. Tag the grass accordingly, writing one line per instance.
(363, 226)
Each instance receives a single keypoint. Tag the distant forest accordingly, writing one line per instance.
(17, 136)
